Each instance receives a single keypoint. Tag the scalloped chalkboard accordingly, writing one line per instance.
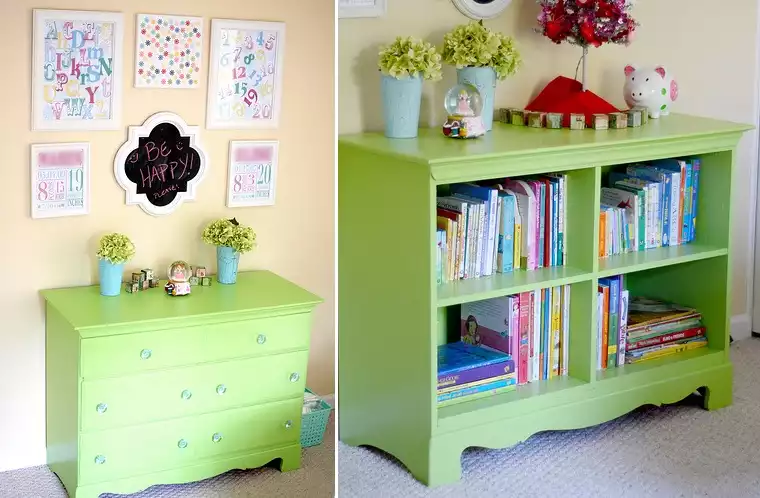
(161, 163)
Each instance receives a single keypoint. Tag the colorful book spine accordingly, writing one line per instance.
(687, 196)
(536, 339)
(468, 391)
(489, 197)
(614, 312)
(440, 241)
(623, 336)
(602, 232)
(667, 350)
(474, 383)
(546, 325)
(514, 329)
(525, 329)
(555, 224)
(565, 343)
(495, 253)
(667, 338)
(599, 328)
(507, 233)
(556, 329)
(605, 290)
(696, 165)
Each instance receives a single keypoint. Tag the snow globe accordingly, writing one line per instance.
(464, 107)
(179, 276)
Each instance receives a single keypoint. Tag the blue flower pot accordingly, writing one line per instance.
(401, 106)
(110, 277)
(227, 264)
(484, 79)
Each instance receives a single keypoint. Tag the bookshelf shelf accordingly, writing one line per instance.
(504, 284)
(656, 258)
(392, 316)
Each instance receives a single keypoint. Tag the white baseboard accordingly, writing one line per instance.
(741, 327)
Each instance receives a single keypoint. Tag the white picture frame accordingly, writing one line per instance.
(481, 10)
(91, 101)
(156, 67)
(155, 164)
(55, 169)
(249, 161)
(348, 9)
(245, 74)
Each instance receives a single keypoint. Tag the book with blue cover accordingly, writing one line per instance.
(460, 363)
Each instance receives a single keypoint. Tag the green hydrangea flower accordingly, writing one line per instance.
(229, 233)
(115, 248)
(409, 56)
(474, 45)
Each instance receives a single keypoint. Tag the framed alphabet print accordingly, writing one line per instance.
(252, 175)
(161, 164)
(245, 74)
(168, 51)
(60, 179)
(77, 70)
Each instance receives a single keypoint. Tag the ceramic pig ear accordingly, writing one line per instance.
(660, 70)
(629, 69)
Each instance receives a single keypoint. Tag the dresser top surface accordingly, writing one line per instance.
(254, 291)
(504, 140)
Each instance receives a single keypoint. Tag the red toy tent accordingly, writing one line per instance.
(566, 95)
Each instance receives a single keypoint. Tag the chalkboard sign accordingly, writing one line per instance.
(161, 163)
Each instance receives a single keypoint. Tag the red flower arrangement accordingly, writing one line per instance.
(586, 22)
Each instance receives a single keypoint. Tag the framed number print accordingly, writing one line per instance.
(60, 179)
(245, 76)
(252, 173)
(77, 70)
(168, 51)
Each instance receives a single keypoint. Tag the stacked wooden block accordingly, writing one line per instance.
(142, 280)
(632, 118)
(199, 277)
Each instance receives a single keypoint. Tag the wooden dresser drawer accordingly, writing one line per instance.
(133, 353)
(179, 392)
(136, 450)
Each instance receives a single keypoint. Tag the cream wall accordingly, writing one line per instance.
(295, 236)
(712, 51)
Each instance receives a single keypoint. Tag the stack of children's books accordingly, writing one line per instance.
(658, 328)
(501, 226)
(466, 370)
(649, 205)
(532, 327)
(612, 313)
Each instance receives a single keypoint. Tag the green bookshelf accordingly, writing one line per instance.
(392, 314)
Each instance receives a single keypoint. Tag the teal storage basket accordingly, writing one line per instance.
(313, 424)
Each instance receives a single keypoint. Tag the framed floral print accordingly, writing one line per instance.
(245, 74)
(168, 51)
(77, 70)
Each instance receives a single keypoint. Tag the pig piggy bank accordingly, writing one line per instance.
(653, 89)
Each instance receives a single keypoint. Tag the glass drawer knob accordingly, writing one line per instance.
(216, 437)
(182, 444)
(100, 459)
(186, 394)
(288, 424)
(221, 389)
(294, 377)
(145, 354)
(261, 339)
(101, 408)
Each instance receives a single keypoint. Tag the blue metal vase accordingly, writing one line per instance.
(401, 106)
(227, 260)
(484, 79)
(110, 277)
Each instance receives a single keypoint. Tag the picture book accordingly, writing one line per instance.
(623, 336)
(527, 206)
(604, 289)
(565, 342)
(506, 233)
(644, 312)
(487, 322)
(476, 392)
(525, 331)
(488, 196)
(666, 338)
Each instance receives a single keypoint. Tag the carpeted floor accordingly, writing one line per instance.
(315, 479)
(675, 451)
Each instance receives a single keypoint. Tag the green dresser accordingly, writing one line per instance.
(145, 388)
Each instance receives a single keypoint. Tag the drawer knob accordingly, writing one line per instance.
(216, 437)
(288, 424)
(186, 394)
(294, 377)
(145, 354)
(100, 459)
(182, 444)
(102, 407)
(221, 389)
(261, 339)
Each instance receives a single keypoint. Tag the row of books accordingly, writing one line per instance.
(649, 205)
(490, 228)
(631, 329)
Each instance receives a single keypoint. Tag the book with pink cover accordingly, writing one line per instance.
(527, 205)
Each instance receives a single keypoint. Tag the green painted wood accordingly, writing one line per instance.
(392, 315)
(208, 344)
(256, 293)
(146, 448)
(180, 392)
(121, 354)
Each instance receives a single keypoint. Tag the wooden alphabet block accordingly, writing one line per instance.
(206, 281)
(554, 120)
(194, 281)
(618, 120)
(517, 117)
(132, 287)
(200, 271)
(536, 119)
(577, 121)
(644, 114)
(634, 118)
(600, 121)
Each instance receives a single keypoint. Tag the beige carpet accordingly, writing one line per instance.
(315, 479)
(675, 451)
